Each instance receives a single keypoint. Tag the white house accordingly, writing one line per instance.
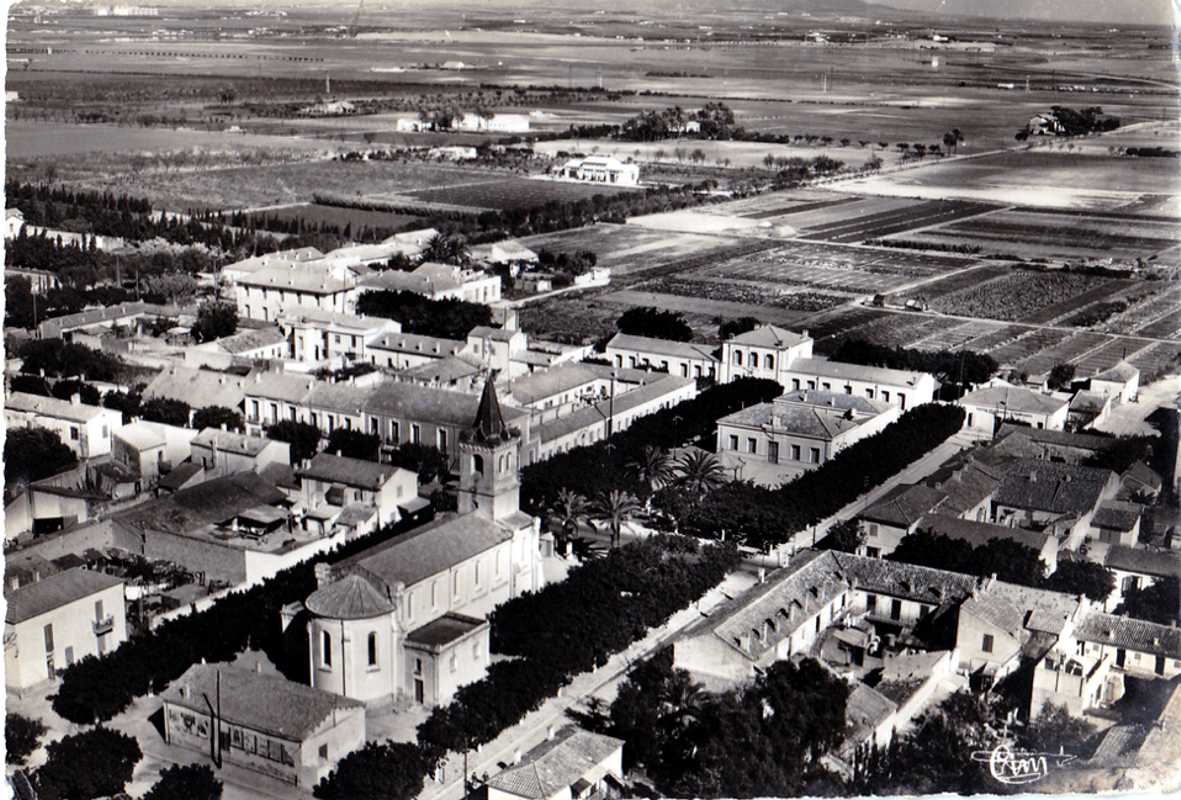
(686, 359)
(601, 169)
(989, 407)
(314, 336)
(571, 764)
(765, 352)
(83, 428)
(274, 291)
(1121, 382)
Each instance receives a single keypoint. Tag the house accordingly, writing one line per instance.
(85, 429)
(334, 485)
(509, 251)
(495, 347)
(14, 220)
(198, 388)
(990, 407)
(461, 373)
(601, 169)
(438, 282)
(270, 397)
(232, 273)
(314, 336)
(399, 351)
(975, 534)
(124, 315)
(329, 108)
(571, 764)
(1137, 567)
(58, 620)
(287, 287)
(1044, 124)
(1121, 382)
(895, 515)
(557, 391)
(1021, 441)
(405, 619)
(772, 443)
(1089, 408)
(903, 388)
(149, 450)
(286, 731)
(1139, 481)
(765, 352)
(40, 280)
(1037, 493)
(686, 359)
(221, 452)
(498, 123)
(1137, 646)
(1117, 522)
(249, 343)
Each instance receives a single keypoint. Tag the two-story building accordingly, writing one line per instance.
(765, 352)
(283, 289)
(334, 485)
(571, 764)
(149, 450)
(903, 388)
(85, 429)
(401, 351)
(227, 452)
(315, 336)
(684, 359)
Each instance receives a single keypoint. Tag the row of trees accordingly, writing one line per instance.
(712, 121)
(447, 319)
(949, 366)
(655, 323)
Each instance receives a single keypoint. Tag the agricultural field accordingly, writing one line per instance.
(774, 204)
(1023, 296)
(511, 193)
(705, 308)
(1038, 177)
(316, 214)
(1029, 234)
(1031, 343)
(1066, 351)
(1156, 360)
(885, 223)
(746, 292)
(1107, 356)
(720, 153)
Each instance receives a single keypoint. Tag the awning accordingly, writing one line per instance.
(414, 505)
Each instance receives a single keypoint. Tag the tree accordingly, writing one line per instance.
(653, 468)
(615, 508)
(699, 473)
(19, 304)
(303, 438)
(378, 771)
(1061, 376)
(446, 249)
(431, 463)
(354, 444)
(95, 763)
(166, 410)
(31, 454)
(21, 735)
(446, 319)
(1159, 602)
(1087, 578)
(127, 402)
(186, 782)
(174, 287)
(846, 536)
(654, 323)
(1056, 730)
(215, 321)
(216, 417)
(568, 512)
(736, 327)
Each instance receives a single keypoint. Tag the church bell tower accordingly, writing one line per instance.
(488, 453)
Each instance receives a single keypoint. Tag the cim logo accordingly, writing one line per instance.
(1016, 767)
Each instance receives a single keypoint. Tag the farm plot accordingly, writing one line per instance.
(1139, 315)
(1103, 358)
(842, 320)
(1070, 305)
(954, 283)
(1156, 361)
(816, 215)
(887, 223)
(951, 336)
(1029, 345)
(1064, 352)
(705, 308)
(745, 292)
(770, 204)
(1019, 295)
(996, 338)
(312, 214)
(1163, 328)
(1032, 234)
(900, 330)
(512, 193)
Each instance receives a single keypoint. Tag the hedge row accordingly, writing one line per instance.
(98, 688)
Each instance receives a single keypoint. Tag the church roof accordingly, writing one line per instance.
(351, 597)
(489, 423)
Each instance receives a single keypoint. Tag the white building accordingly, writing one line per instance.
(274, 291)
(314, 336)
(903, 388)
(1121, 382)
(989, 407)
(498, 123)
(686, 359)
(83, 428)
(765, 352)
(438, 282)
(601, 169)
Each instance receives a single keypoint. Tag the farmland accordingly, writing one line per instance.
(746, 292)
(512, 193)
(886, 223)
(1020, 296)
(315, 214)
(737, 154)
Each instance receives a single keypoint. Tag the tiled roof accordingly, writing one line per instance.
(904, 505)
(1088, 402)
(335, 320)
(1120, 373)
(444, 370)
(392, 398)
(1082, 441)
(349, 471)
(54, 591)
(909, 581)
(251, 339)
(267, 703)
(1051, 486)
(823, 368)
(51, 407)
(1012, 399)
(548, 383)
(310, 278)
(756, 621)
(814, 422)
(1130, 634)
(285, 386)
(202, 387)
(1117, 515)
(555, 765)
(966, 487)
(662, 347)
(52, 328)
(496, 334)
(445, 629)
(1157, 563)
(351, 597)
(417, 344)
(837, 400)
(231, 441)
(769, 336)
(142, 435)
(865, 709)
(180, 475)
(209, 503)
(434, 548)
(978, 533)
(1141, 474)
(599, 412)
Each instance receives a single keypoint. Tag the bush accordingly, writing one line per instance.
(215, 321)
(303, 437)
(31, 454)
(354, 444)
(59, 358)
(217, 416)
(378, 771)
(166, 411)
(430, 463)
(446, 319)
(94, 763)
(654, 323)
(186, 782)
(21, 735)
(945, 364)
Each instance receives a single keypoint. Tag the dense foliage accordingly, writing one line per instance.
(1159, 602)
(59, 358)
(946, 365)
(215, 321)
(31, 454)
(1060, 377)
(429, 462)
(730, 328)
(186, 782)
(216, 417)
(354, 444)
(378, 771)
(446, 319)
(21, 735)
(166, 410)
(763, 739)
(95, 763)
(303, 438)
(98, 688)
(598, 468)
(655, 323)
(1087, 578)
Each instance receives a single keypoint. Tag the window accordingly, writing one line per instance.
(848, 390)
(896, 609)
(769, 362)
(752, 445)
(871, 602)
(372, 642)
(394, 431)
(324, 752)
(685, 370)
(477, 463)
(869, 393)
(74, 432)
(325, 648)
(754, 360)
(773, 452)
(69, 656)
(986, 645)
(454, 663)
(415, 433)
(738, 357)
(815, 455)
(455, 583)
(477, 570)
(48, 638)
(827, 386)
(811, 384)
(795, 452)
(885, 396)
(274, 412)
(902, 400)
(418, 666)
(733, 442)
(434, 594)
(98, 609)
(373, 425)
(254, 409)
(442, 436)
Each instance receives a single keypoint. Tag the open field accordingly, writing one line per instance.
(511, 193)
(1035, 177)
(315, 214)
(1029, 233)
(885, 223)
(735, 154)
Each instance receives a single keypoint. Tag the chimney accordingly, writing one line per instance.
(258, 667)
(550, 730)
(184, 691)
(75, 399)
(762, 574)
(516, 757)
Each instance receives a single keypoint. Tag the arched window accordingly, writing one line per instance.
(373, 649)
(738, 357)
(769, 362)
(325, 648)
(478, 464)
(754, 359)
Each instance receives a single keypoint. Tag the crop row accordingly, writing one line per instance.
(874, 226)
(1064, 352)
(1102, 289)
(1017, 296)
(742, 292)
(1032, 343)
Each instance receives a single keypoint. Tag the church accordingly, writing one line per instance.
(407, 619)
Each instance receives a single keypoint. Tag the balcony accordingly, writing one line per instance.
(104, 626)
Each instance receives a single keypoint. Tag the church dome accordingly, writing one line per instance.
(351, 597)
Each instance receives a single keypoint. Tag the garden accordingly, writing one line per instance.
(1020, 296)
(745, 292)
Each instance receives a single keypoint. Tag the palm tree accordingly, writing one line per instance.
(699, 473)
(570, 509)
(615, 508)
(443, 249)
(653, 467)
